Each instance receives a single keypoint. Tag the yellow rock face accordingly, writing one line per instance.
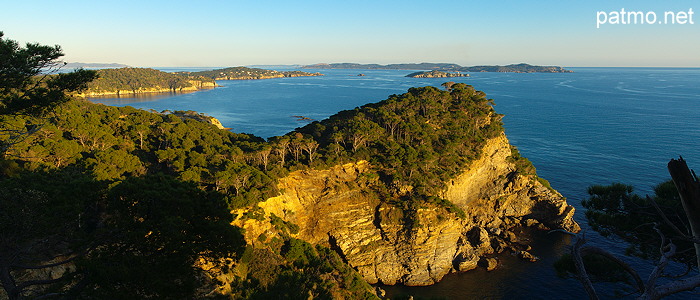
(333, 207)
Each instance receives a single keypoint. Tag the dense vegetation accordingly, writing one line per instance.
(615, 210)
(416, 140)
(122, 158)
(123, 203)
(138, 80)
(242, 73)
(654, 228)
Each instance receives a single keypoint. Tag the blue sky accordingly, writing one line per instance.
(232, 33)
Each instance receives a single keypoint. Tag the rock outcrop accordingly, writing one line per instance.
(390, 244)
(199, 117)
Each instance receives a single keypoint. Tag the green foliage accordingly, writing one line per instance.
(283, 226)
(417, 141)
(300, 271)
(451, 207)
(615, 210)
(134, 239)
(160, 227)
(137, 80)
(522, 164)
(22, 91)
(117, 143)
(135, 200)
(168, 181)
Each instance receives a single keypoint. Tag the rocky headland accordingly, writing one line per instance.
(334, 208)
(130, 82)
(193, 115)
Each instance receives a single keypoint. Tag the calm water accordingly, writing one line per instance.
(594, 126)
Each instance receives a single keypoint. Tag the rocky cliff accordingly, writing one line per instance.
(199, 117)
(194, 85)
(391, 244)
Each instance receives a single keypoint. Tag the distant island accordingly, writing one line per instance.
(516, 68)
(76, 65)
(513, 68)
(435, 74)
(408, 66)
(245, 73)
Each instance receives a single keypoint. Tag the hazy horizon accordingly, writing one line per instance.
(238, 33)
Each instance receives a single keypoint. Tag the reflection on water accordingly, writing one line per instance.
(513, 279)
(122, 100)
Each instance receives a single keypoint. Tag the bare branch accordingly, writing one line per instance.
(670, 224)
(26, 284)
(619, 262)
(677, 286)
(63, 262)
(581, 269)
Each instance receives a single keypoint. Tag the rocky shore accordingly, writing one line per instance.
(195, 85)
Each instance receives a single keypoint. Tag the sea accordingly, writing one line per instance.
(592, 126)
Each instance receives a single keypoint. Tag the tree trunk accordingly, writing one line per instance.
(689, 189)
(8, 283)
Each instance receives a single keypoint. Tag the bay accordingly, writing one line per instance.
(593, 126)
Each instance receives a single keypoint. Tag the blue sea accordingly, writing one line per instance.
(593, 126)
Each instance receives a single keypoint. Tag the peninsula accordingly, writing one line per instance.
(245, 73)
(135, 81)
(369, 195)
(513, 68)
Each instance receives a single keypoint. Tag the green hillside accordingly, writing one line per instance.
(140, 184)
(141, 80)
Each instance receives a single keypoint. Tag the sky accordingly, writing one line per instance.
(175, 33)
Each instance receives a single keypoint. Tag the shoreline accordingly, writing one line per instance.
(142, 93)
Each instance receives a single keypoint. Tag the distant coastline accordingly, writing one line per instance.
(435, 74)
(245, 73)
(512, 68)
(76, 65)
(126, 82)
